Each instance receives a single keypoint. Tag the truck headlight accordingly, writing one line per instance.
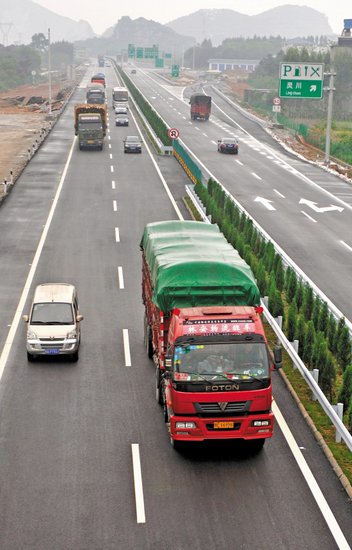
(258, 423)
(185, 425)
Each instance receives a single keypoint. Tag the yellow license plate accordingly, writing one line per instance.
(223, 425)
(90, 141)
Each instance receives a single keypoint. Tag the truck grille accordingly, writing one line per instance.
(235, 407)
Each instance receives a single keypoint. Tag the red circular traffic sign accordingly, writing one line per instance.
(276, 101)
(173, 133)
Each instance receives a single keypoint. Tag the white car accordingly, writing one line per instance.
(120, 110)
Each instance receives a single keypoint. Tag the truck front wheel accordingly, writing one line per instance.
(147, 338)
(255, 445)
(158, 394)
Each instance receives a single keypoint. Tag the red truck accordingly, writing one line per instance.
(98, 78)
(200, 106)
(203, 329)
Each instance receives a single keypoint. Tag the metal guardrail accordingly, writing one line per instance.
(308, 377)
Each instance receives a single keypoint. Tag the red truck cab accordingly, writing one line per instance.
(217, 381)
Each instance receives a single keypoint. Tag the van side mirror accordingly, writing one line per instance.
(277, 357)
(79, 318)
(25, 318)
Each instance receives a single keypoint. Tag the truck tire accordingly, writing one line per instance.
(256, 445)
(147, 338)
(158, 389)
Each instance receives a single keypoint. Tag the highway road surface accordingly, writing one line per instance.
(85, 461)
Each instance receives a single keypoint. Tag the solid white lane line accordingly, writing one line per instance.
(308, 216)
(126, 346)
(346, 245)
(311, 482)
(17, 317)
(114, 205)
(120, 276)
(138, 485)
(117, 235)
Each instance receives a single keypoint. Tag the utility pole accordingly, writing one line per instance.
(330, 89)
(5, 29)
(49, 69)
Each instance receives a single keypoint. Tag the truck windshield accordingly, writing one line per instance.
(234, 360)
(91, 125)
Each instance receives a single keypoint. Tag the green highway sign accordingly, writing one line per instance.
(175, 70)
(131, 51)
(139, 53)
(301, 80)
(168, 55)
(159, 62)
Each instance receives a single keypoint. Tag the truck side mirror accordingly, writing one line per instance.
(277, 357)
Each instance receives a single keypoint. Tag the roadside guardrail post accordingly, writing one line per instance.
(339, 411)
(295, 345)
(315, 373)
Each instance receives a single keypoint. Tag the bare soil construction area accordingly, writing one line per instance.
(23, 120)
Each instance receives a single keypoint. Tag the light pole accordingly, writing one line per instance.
(49, 69)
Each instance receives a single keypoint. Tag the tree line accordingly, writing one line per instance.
(27, 64)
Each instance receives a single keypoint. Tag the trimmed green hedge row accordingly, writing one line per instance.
(324, 342)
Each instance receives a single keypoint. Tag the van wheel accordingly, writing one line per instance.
(30, 357)
(74, 357)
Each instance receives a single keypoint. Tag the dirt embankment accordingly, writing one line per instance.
(24, 121)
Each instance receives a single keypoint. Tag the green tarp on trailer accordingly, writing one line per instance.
(192, 264)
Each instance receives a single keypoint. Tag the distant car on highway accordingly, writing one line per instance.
(228, 145)
(121, 120)
(120, 110)
(132, 144)
(133, 71)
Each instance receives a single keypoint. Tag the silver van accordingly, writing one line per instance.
(54, 321)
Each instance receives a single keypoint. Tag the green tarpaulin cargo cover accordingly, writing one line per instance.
(192, 264)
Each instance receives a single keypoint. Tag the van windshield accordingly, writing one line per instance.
(52, 313)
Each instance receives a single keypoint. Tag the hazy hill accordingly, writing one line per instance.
(287, 21)
(29, 18)
(140, 32)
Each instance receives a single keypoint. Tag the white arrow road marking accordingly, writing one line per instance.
(265, 202)
(320, 209)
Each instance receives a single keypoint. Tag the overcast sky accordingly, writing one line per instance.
(105, 13)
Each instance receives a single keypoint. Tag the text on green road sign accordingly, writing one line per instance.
(302, 71)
